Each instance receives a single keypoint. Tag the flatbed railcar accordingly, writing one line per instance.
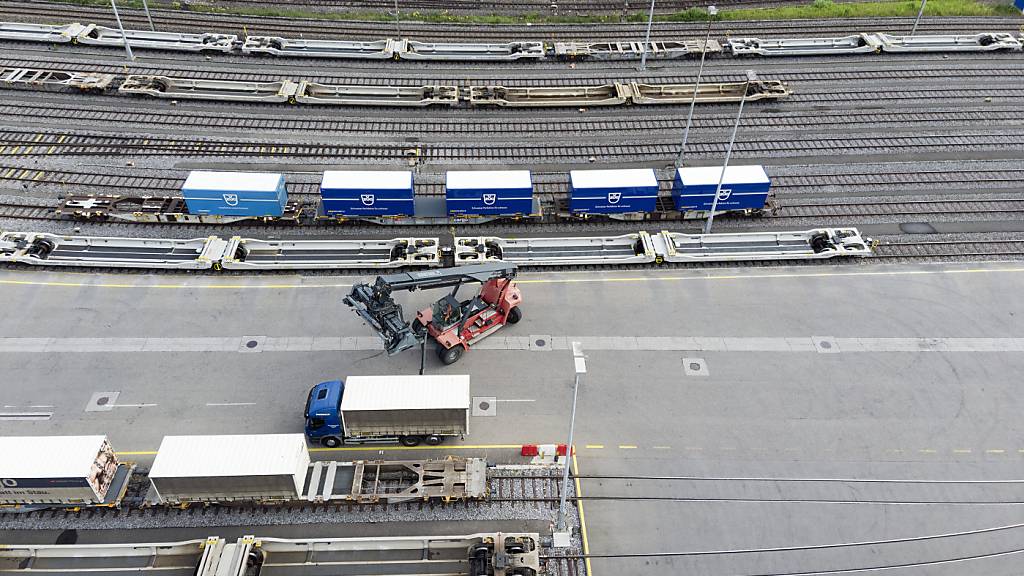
(514, 51)
(487, 196)
(76, 472)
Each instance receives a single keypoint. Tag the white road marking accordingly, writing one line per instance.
(305, 344)
(28, 416)
(132, 405)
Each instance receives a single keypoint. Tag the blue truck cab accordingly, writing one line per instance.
(323, 413)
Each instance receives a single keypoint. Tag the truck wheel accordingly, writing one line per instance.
(514, 315)
(449, 356)
(409, 441)
(330, 442)
(433, 440)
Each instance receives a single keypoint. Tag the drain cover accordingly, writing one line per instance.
(695, 367)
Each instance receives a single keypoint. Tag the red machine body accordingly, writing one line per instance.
(458, 325)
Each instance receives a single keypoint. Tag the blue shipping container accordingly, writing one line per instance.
(367, 193)
(502, 192)
(235, 193)
(612, 191)
(743, 188)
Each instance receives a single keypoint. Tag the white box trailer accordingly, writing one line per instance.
(64, 470)
(231, 467)
(406, 405)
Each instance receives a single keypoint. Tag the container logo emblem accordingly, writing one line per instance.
(9, 482)
(366, 199)
(724, 194)
(490, 199)
(614, 197)
(231, 199)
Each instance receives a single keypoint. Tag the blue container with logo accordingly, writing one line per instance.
(489, 192)
(612, 191)
(235, 193)
(743, 188)
(367, 193)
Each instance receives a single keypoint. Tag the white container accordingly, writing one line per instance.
(55, 469)
(233, 467)
(406, 405)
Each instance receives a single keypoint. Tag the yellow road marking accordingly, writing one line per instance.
(995, 451)
(661, 447)
(395, 448)
(627, 446)
(169, 286)
(369, 447)
(563, 280)
(595, 446)
(583, 518)
(927, 451)
(961, 450)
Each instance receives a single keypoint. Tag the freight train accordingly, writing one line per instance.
(55, 472)
(471, 197)
(527, 50)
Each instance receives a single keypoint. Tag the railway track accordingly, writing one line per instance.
(141, 119)
(571, 7)
(654, 149)
(183, 21)
(969, 69)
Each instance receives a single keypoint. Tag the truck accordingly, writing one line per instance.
(387, 409)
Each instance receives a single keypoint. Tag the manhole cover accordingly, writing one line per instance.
(826, 345)
(541, 342)
(252, 344)
(695, 367)
(102, 401)
(485, 406)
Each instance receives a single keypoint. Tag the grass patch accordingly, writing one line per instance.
(818, 9)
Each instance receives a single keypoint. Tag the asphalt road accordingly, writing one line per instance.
(861, 372)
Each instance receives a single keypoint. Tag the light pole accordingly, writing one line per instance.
(751, 77)
(647, 39)
(712, 11)
(581, 368)
(398, 22)
(124, 35)
(919, 13)
(145, 6)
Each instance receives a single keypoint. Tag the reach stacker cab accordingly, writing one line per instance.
(388, 409)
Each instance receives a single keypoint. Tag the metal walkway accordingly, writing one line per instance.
(491, 554)
(246, 253)
(878, 42)
(626, 249)
(818, 244)
(56, 79)
(96, 251)
(249, 253)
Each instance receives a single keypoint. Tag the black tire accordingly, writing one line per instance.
(514, 315)
(409, 441)
(331, 441)
(433, 440)
(449, 356)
